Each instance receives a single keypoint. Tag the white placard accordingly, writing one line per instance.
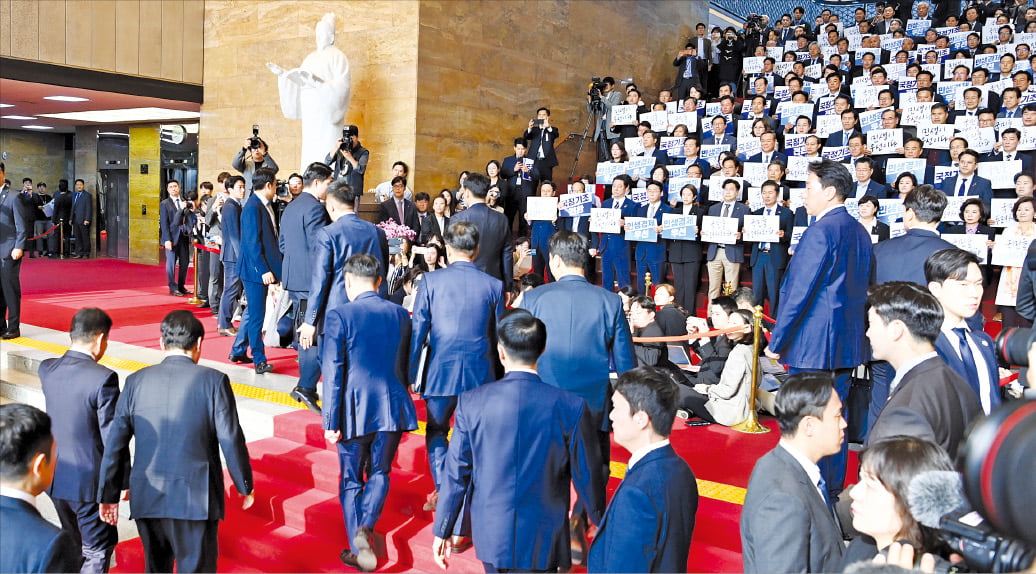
(605, 220)
(679, 227)
(796, 234)
(752, 65)
(575, 204)
(761, 228)
(1010, 251)
(542, 208)
(827, 125)
(624, 115)
(979, 139)
(798, 167)
(721, 230)
(935, 136)
(754, 172)
(953, 205)
(689, 119)
(1028, 141)
(634, 146)
(917, 114)
(1000, 173)
(885, 142)
(659, 120)
(1000, 212)
(974, 243)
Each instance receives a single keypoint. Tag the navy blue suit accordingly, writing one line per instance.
(460, 333)
(977, 186)
(613, 248)
(335, 243)
(14, 232)
(724, 139)
(822, 317)
(540, 241)
(661, 157)
(1024, 156)
(650, 519)
(365, 354)
(768, 265)
(947, 349)
(495, 249)
(517, 444)
(174, 227)
(230, 226)
(260, 254)
(774, 156)
(838, 139)
(82, 213)
(873, 188)
(651, 256)
(300, 222)
(80, 397)
(29, 543)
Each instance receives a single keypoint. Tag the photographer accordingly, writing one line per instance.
(730, 57)
(254, 155)
(349, 158)
(542, 138)
(691, 70)
(603, 95)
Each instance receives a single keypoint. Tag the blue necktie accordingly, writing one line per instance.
(822, 485)
(966, 355)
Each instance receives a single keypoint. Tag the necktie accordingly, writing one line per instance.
(726, 210)
(1008, 157)
(965, 354)
(176, 202)
(399, 209)
(812, 219)
(963, 187)
(273, 219)
(822, 485)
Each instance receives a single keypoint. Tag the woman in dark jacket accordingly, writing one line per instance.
(685, 256)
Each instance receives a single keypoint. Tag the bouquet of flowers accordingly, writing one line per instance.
(393, 230)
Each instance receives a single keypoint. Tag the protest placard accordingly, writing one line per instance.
(634, 146)
(639, 196)
(890, 210)
(711, 153)
(675, 186)
(894, 166)
(689, 119)
(721, 230)
(796, 234)
(1000, 173)
(681, 227)
(747, 147)
(1000, 212)
(1028, 140)
(835, 153)
(673, 147)
(659, 120)
(865, 96)
(761, 228)
(979, 139)
(642, 229)
(542, 208)
(953, 205)
(798, 167)
(917, 28)
(974, 243)
(752, 65)
(715, 185)
(871, 120)
(754, 172)
(624, 115)
(605, 220)
(990, 62)
(941, 173)
(641, 166)
(575, 204)
(1010, 250)
(827, 125)
(935, 136)
(795, 144)
(885, 142)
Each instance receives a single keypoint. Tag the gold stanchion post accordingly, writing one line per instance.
(751, 424)
(61, 234)
(195, 300)
(647, 283)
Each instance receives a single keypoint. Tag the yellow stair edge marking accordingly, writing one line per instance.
(706, 488)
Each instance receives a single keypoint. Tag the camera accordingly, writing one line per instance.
(753, 21)
(596, 88)
(282, 188)
(395, 245)
(1012, 345)
(254, 142)
(348, 133)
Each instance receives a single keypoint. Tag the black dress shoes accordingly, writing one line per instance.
(10, 334)
(177, 293)
(363, 541)
(240, 359)
(204, 305)
(307, 397)
(263, 368)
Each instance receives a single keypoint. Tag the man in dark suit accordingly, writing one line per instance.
(28, 455)
(82, 214)
(398, 208)
(81, 396)
(719, 134)
(769, 153)
(769, 260)
(613, 247)
(955, 279)
(1010, 138)
(787, 487)
(230, 227)
(60, 240)
(583, 346)
(651, 256)
(841, 137)
(865, 183)
(516, 443)
(691, 71)
(259, 265)
(522, 178)
(303, 218)
(820, 322)
(650, 519)
(650, 140)
(542, 138)
(176, 484)
(967, 182)
(495, 252)
(14, 234)
(366, 403)
(175, 223)
(724, 264)
(458, 333)
(931, 401)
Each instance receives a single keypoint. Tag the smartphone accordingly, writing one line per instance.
(532, 251)
(537, 122)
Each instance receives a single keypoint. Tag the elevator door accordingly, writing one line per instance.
(115, 189)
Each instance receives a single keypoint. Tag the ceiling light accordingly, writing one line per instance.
(6, 105)
(37, 127)
(66, 99)
(126, 116)
(18, 117)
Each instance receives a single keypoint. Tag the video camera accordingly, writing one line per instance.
(754, 21)
(282, 188)
(984, 512)
(348, 135)
(255, 142)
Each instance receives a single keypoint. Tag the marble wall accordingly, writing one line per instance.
(145, 150)
(37, 155)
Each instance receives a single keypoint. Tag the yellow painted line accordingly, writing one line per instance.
(706, 488)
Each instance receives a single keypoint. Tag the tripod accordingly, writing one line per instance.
(596, 108)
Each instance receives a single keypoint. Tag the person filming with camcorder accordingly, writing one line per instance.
(253, 155)
(349, 158)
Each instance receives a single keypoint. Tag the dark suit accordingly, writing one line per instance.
(699, 72)
(521, 190)
(300, 222)
(838, 139)
(230, 227)
(260, 254)
(80, 397)
(430, 226)
(544, 139)
(335, 243)
(365, 398)
(495, 248)
(29, 543)
(873, 188)
(948, 351)
(389, 210)
(808, 539)
(685, 260)
(460, 333)
(661, 157)
(174, 227)
(931, 402)
(614, 249)
(821, 320)
(774, 156)
(649, 521)
(14, 234)
(82, 217)
(902, 258)
(516, 445)
(977, 186)
(651, 256)
(182, 415)
(733, 254)
(768, 264)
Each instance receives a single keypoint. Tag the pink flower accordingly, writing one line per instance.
(393, 230)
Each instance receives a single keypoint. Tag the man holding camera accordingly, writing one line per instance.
(254, 155)
(601, 94)
(692, 70)
(349, 158)
(542, 138)
(175, 223)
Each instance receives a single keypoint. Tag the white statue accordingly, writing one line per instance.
(317, 92)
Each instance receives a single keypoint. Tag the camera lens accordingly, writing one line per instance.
(1012, 346)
